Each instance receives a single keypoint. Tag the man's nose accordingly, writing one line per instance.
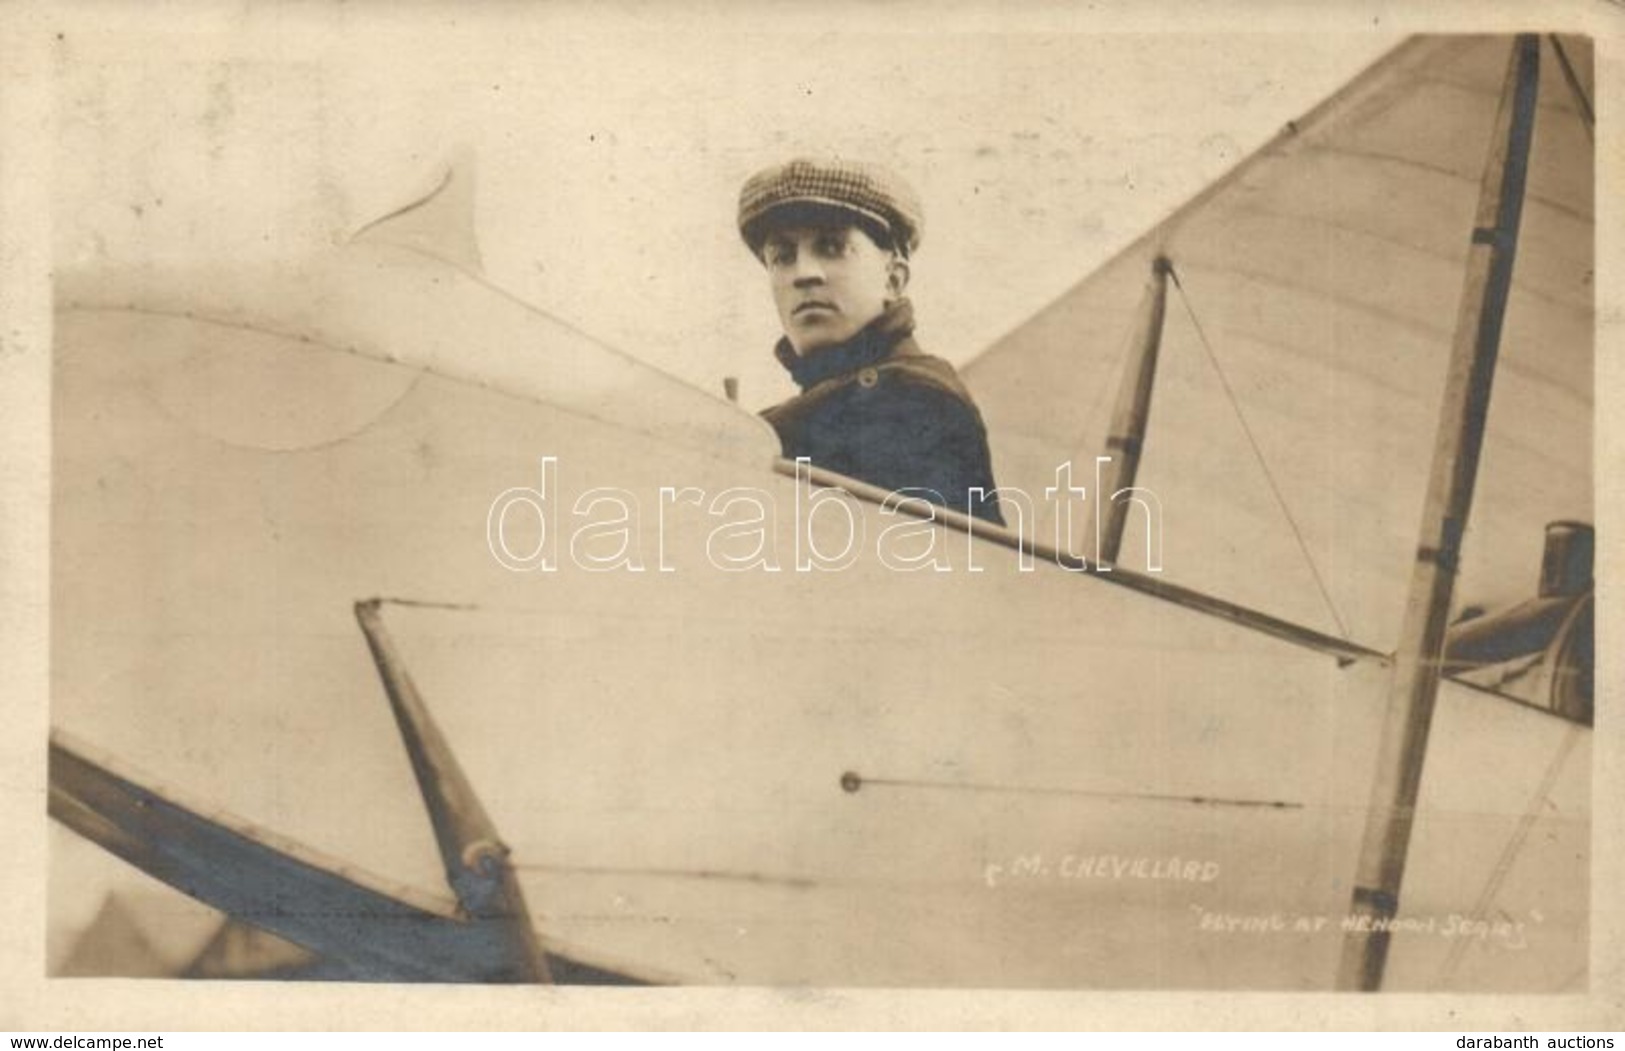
(808, 271)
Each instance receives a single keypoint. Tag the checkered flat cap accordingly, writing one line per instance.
(877, 198)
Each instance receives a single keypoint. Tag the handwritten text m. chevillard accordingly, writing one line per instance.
(527, 532)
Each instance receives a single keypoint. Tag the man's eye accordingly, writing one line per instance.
(780, 255)
(831, 245)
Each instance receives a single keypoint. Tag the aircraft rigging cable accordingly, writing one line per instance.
(1509, 854)
(853, 782)
(1588, 116)
(1252, 441)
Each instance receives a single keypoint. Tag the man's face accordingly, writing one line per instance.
(829, 281)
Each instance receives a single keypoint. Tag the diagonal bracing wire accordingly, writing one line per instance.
(1509, 854)
(1588, 116)
(1258, 452)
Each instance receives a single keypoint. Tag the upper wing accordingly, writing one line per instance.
(1305, 345)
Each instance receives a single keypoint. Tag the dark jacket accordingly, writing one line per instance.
(878, 409)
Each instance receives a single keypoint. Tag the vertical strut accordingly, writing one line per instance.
(1130, 417)
(1415, 683)
(475, 858)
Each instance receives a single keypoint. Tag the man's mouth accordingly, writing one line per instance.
(812, 304)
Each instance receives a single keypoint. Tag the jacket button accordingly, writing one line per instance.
(868, 377)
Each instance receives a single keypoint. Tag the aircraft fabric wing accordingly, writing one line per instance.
(361, 930)
(1315, 297)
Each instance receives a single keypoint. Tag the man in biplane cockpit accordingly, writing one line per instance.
(836, 238)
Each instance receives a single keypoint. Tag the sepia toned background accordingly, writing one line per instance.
(607, 156)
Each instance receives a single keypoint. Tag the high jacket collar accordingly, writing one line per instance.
(873, 343)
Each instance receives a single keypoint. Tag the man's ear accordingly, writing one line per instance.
(897, 273)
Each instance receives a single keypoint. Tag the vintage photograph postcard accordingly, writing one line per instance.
(1003, 508)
